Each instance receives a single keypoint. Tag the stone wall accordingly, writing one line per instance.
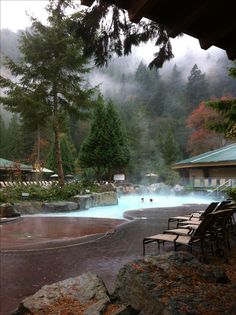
(79, 202)
(96, 199)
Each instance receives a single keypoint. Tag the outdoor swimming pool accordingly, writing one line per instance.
(132, 203)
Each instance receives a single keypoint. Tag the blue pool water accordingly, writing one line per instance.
(132, 203)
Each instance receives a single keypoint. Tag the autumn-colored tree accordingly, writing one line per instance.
(201, 139)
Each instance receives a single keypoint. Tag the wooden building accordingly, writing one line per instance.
(211, 169)
(10, 170)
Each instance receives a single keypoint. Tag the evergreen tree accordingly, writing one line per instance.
(93, 150)
(226, 106)
(105, 149)
(169, 148)
(13, 145)
(118, 151)
(106, 31)
(196, 89)
(67, 156)
(50, 72)
(3, 138)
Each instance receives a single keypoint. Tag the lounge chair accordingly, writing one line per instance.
(221, 230)
(201, 234)
(194, 215)
(225, 204)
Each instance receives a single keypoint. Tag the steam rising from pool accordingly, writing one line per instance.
(133, 203)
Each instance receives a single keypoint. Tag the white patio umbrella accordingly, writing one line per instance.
(42, 170)
(151, 175)
(54, 176)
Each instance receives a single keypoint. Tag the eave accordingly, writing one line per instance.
(200, 165)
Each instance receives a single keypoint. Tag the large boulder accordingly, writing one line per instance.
(175, 284)
(107, 198)
(85, 294)
(7, 210)
(84, 202)
(59, 206)
(172, 284)
(29, 207)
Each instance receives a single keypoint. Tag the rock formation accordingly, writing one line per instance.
(172, 284)
(7, 210)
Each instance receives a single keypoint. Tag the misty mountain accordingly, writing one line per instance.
(153, 104)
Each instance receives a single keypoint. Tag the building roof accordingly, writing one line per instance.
(224, 156)
(10, 165)
(212, 22)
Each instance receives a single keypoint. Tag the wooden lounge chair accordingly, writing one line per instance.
(194, 215)
(200, 235)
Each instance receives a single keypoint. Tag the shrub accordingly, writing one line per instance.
(232, 193)
(53, 193)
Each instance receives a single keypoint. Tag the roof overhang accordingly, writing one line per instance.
(212, 22)
(200, 165)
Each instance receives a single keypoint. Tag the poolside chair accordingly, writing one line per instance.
(225, 204)
(221, 229)
(200, 235)
(194, 215)
(189, 229)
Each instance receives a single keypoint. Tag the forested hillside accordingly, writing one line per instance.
(157, 107)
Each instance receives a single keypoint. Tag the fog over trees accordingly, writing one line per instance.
(154, 106)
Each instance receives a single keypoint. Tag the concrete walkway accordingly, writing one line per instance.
(26, 268)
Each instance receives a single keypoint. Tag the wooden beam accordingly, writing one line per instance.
(138, 8)
(216, 35)
(87, 2)
(182, 25)
(231, 53)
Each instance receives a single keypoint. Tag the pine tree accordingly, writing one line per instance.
(226, 107)
(13, 145)
(105, 149)
(3, 138)
(50, 76)
(106, 31)
(67, 156)
(169, 148)
(118, 151)
(196, 89)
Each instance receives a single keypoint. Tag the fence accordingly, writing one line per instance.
(213, 182)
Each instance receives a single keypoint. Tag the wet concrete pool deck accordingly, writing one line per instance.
(37, 251)
(46, 232)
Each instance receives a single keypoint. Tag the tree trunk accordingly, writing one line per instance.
(57, 138)
(58, 155)
(38, 157)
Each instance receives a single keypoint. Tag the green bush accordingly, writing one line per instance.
(53, 193)
(231, 192)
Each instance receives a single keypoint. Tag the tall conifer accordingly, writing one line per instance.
(50, 73)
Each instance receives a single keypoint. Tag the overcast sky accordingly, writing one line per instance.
(14, 17)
